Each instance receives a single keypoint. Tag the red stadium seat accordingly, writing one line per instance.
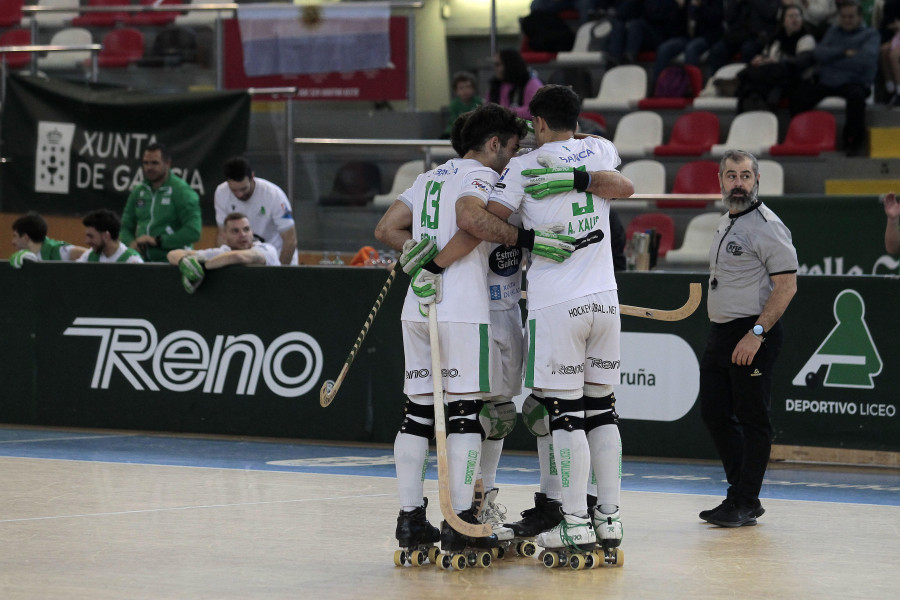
(808, 134)
(101, 19)
(693, 134)
(121, 47)
(11, 13)
(16, 37)
(663, 225)
(696, 177)
(533, 56)
(696, 77)
(153, 19)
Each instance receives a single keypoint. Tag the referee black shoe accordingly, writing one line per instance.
(735, 515)
(728, 504)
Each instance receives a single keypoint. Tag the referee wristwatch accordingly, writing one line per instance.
(758, 330)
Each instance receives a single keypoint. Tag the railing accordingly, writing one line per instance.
(33, 49)
(288, 127)
(426, 146)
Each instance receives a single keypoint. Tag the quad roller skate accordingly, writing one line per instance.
(417, 538)
(494, 514)
(609, 536)
(459, 551)
(543, 516)
(571, 543)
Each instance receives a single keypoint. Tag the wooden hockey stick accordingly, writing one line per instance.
(440, 434)
(330, 388)
(667, 315)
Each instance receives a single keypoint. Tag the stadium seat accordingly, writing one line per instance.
(648, 176)
(56, 20)
(121, 47)
(101, 19)
(698, 239)
(662, 223)
(153, 19)
(355, 184)
(172, 46)
(754, 131)
(695, 177)
(808, 134)
(621, 88)
(403, 180)
(582, 54)
(533, 56)
(195, 18)
(709, 100)
(654, 103)
(11, 13)
(16, 37)
(67, 60)
(771, 178)
(693, 134)
(638, 133)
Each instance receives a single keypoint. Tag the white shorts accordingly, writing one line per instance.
(509, 341)
(573, 342)
(466, 355)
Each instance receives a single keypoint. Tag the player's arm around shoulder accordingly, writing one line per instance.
(610, 184)
(395, 226)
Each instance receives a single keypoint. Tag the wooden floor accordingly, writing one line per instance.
(102, 530)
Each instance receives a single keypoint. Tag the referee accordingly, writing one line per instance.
(753, 276)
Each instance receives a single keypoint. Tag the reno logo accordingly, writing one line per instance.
(184, 360)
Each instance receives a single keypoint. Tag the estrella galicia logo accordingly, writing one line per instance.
(504, 260)
(847, 357)
(734, 248)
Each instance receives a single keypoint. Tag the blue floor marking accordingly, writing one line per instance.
(861, 486)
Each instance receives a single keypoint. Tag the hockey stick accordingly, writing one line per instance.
(330, 388)
(667, 315)
(440, 434)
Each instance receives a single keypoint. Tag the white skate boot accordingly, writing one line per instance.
(495, 515)
(609, 534)
(571, 542)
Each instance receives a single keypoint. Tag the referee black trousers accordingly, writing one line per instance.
(735, 402)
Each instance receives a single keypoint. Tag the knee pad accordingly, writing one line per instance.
(418, 419)
(463, 417)
(534, 416)
(565, 414)
(498, 418)
(600, 411)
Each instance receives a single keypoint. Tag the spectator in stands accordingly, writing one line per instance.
(240, 248)
(786, 61)
(890, 50)
(265, 204)
(819, 16)
(513, 84)
(30, 240)
(464, 98)
(748, 24)
(704, 28)
(101, 234)
(162, 212)
(846, 61)
(892, 231)
(658, 21)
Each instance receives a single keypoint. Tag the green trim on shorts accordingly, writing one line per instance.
(484, 358)
(529, 364)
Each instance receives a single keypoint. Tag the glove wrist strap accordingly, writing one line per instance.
(581, 180)
(432, 267)
(525, 239)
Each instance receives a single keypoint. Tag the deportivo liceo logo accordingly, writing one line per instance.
(183, 360)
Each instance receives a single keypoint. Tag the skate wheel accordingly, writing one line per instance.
(495, 552)
(527, 549)
(458, 561)
(433, 553)
(483, 560)
(550, 559)
(445, 562)
(417, 558)
(576, 563)
(400, 558)
(590, 561)
(616, 557)
(501, 552)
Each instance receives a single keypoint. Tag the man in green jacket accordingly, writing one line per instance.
(163, 212)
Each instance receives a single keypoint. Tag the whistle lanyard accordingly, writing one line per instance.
(715, 282)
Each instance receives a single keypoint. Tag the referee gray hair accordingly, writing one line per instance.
(739, 156)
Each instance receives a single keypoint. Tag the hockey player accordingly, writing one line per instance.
(490, 138)
(29, 238)
(573, 322)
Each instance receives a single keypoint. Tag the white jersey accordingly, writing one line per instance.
(268, 210)
(268, 251)
(590, 269)
(91, 256)
(504, 276)
(432, 200)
